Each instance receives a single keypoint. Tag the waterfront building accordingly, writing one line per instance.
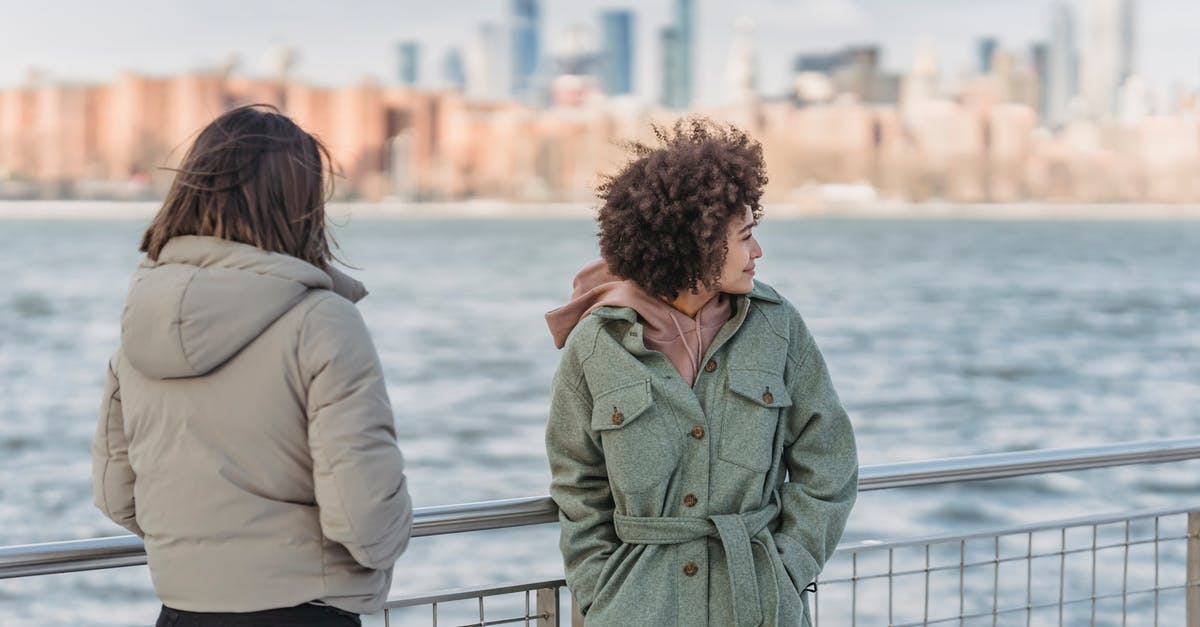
(408, 57)
(454, 73)
(1108, 58)
(741, 73)
(1039, 60)
(524, 46)
(668, 67)
(1062, 63)
(616, 52)
(986, 49)
(486, 64)
(678, 42)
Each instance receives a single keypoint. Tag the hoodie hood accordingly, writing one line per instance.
(683, 339)
(206, 298)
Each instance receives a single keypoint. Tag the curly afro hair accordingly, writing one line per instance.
(664, 214)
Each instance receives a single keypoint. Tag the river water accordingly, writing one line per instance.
(944, 338)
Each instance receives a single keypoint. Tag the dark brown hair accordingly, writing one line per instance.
(665, 213)
(252, 176)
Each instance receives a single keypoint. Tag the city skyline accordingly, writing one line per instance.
(342, 49)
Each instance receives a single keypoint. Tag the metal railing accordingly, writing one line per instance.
(541, 603)
(1067, 572)
(119, 551)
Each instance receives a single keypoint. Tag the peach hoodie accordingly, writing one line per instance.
(682, 339)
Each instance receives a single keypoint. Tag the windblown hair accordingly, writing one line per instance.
(252, 176)
(664, 214)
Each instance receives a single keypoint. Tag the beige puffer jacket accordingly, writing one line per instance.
(246, 434)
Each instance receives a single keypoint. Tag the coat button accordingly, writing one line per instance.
(617, 417)
(690, 500)
(768, 397)
(711, 366)
(690, 569)
(698, 432)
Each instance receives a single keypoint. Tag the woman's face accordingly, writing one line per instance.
(737, 276)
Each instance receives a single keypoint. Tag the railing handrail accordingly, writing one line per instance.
(111, 552)
(1088, 520)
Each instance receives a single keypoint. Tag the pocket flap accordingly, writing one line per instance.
(761, 387)
(619, 406)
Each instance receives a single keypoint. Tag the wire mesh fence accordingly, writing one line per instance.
(1127, 570)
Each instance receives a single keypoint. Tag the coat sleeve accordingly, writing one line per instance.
(358, 471)
(822, 465)
(579, 485)
(112, 476)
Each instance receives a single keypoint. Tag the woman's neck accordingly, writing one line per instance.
(690, 303)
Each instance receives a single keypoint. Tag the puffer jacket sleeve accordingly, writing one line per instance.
(579, 485)
(112, 476)
(822, 465)
(358, 471)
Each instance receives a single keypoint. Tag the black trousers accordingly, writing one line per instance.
(307, 615)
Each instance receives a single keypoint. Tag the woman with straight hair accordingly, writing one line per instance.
(245, 433)
(701, 461)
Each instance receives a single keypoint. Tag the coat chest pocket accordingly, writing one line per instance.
(755, 401)
(637, 449)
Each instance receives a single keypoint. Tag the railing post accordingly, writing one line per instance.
(547, 607)
(1193, 570)
(576, 614)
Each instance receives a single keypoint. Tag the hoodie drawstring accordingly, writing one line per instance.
(692, 353)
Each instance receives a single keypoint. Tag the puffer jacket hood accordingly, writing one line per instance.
(186, 312)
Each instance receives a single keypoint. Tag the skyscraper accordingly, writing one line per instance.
(454, 74)
(667, 38)
(1039, 59)
(525, 47)
(677, 66)
(408, 54)
(685, 23)
(616, 54)
(1062, 71)
(741, 72)
(1108, 53)
(485, 64)
(987, 50)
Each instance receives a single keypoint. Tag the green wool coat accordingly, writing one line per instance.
(707, 505)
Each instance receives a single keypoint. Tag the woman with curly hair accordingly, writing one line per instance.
(701, 461)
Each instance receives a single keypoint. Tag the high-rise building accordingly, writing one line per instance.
(1108, 57)
(669, 64)
(524, 45)
(408, 54)
(685, 22)
(454, 73)
(485, 64)
(678, 70)
(1039, 61)
(616, 53)
(1062, 64)
(987, 49)
(742, 74)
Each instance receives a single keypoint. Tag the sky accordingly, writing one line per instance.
(342, 42)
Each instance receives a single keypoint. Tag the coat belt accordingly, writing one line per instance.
(734, 531)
